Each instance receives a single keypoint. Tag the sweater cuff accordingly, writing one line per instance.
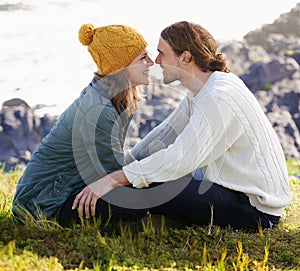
(135, 176)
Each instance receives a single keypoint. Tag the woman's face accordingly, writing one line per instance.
(139, 69)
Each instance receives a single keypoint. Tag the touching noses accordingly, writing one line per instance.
(149, 61)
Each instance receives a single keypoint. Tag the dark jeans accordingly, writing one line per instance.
(198, 202)
(203, 202)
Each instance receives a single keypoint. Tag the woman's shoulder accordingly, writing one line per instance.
(92, 99)
(93, 107)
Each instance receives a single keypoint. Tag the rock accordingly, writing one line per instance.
(283, 33)
(240, 56)
(261, 76)
(21, 132)
(287, 133)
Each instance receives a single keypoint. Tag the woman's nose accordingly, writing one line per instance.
(150, 61)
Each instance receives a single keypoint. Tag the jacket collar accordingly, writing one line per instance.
(103, 88)
(98, 84)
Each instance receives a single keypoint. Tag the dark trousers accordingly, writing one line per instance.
(197, 202)
(203, 202)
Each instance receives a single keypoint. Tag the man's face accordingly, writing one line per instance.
(168, 61)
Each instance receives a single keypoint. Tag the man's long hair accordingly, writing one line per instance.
(185, 36)
(122, 94)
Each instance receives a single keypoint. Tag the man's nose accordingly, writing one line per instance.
(157, 60)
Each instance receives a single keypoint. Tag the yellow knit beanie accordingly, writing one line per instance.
(113, 47)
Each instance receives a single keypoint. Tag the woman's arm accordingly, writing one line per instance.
(99, 145)
(99, 153)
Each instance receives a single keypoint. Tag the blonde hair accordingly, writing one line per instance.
(123, 96)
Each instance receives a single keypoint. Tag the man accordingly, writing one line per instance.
(219, 128)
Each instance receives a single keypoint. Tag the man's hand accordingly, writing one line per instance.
(87, 199)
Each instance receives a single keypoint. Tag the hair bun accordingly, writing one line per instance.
(85, 34)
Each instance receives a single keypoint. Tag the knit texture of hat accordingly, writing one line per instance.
(112, 47)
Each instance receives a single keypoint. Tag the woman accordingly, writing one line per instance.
(87, 141)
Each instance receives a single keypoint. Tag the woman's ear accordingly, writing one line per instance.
(186, 57)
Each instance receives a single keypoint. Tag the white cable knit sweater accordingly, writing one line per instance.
(224, 131)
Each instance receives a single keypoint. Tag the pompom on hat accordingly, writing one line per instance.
(112, 47)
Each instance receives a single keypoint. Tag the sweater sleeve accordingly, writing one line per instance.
(201, 140)
(162, 135)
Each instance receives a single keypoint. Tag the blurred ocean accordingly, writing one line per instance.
(41, 59)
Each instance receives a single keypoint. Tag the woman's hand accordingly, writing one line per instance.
(86, 200)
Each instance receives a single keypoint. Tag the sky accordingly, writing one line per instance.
(42, 61)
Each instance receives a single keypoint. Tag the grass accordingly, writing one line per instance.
(151, 245)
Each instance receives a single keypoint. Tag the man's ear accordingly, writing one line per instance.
(186, 57)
